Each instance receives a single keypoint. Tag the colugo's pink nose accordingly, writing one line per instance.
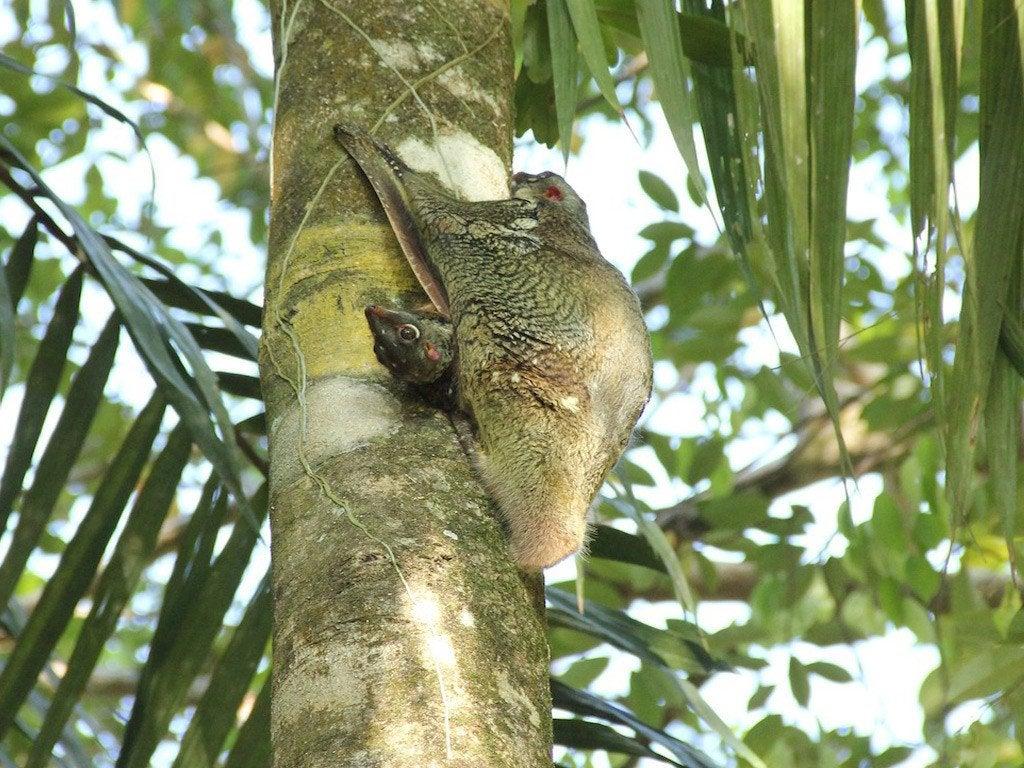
(374, 310)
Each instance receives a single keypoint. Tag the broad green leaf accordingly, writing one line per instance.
(670, 71)
(613, 544)
(174, 669)
(659, 191)
(829, 671)
(985, 673)
(798, 682)
(115, 586)
(588, 705)
(922, 578)
(53, 468)
(214, 716)
(40, 387)
(77, 564)
(582, 673)
(564, 70)
(588, 32)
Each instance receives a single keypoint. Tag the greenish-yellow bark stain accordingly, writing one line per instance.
(403, 634)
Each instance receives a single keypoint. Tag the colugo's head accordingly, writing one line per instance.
(414, 347)
(550, 190)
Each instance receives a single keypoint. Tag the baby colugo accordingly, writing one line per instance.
(546, 349)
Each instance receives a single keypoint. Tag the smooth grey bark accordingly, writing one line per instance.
(403, 634)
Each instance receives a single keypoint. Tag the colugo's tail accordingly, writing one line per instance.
(385, 172)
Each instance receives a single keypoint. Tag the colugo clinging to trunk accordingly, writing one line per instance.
(552, 358)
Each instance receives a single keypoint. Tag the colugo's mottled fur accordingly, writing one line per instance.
(552, 359)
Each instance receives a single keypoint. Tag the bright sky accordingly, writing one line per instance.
(889, 670)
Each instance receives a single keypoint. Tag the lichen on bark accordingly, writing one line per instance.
(403, 634)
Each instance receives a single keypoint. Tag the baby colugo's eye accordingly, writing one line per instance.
(408, 332)
(553, 193)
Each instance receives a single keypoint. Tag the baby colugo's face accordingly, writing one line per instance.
(413, 346)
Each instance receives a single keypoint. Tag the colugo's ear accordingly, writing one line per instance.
(432, 352)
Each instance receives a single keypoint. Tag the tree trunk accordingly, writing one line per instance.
(403, 634)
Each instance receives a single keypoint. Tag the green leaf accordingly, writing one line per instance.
(670, 72)
(798, 682)
(709, 716)
(245, 343)
(7, 331)
(16, 66)
(1015, 630)
(887, 524)
(666, 553)
(215, 714)
(115, 586)
(158, 337)
(660, 646)
(77, 564)
(588, 32)
(174, 669)
(252, 748)
(1011, 340)
(659, 191)
(922, 578)
(239, 384)
(564, 70)
(220, 340)
(588, 705)
(583, 672)
(832, 672)
(583, 734)
(19, 263)
(198, 300)
(53, 468)
(984, 674)
(613, 544)
(188, 578)
(780, 38)
(760, 697)
(40, 387)
(667, 231)
(831, 66)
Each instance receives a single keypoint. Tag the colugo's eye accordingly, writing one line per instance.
(408, 332)
(553, 193)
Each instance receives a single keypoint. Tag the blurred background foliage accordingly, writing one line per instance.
(137, 612)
